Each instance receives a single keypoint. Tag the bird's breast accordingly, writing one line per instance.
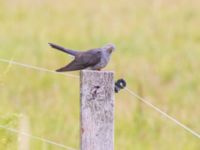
(102, 63)
(104, 60)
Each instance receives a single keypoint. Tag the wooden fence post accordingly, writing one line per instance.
(23, 140)
(97, 110)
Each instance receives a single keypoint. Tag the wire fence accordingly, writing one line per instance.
(36, 68)
(37, 138)
(147, 102)
(163, 113)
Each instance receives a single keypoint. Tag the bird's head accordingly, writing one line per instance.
(109, 47)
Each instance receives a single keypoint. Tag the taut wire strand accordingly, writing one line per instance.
(163, 113)
(36, 68)
(37, 138)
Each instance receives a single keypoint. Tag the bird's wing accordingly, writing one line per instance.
(84, 60)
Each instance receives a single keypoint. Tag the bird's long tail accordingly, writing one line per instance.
(71, 52)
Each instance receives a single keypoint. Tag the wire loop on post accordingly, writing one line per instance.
(119, 85)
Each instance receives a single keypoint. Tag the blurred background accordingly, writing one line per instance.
(158, 53)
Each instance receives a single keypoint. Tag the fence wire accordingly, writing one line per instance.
(36, 68)
(163, 113)
(37, 138)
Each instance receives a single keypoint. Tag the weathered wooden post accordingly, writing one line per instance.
(24, 127)
(97, 110)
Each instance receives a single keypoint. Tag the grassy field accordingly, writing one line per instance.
(158, 53)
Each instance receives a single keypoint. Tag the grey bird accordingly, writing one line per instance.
(93, 59)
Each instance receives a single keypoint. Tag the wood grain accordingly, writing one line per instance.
(97, 110)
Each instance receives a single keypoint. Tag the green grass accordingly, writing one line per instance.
(157, 53)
